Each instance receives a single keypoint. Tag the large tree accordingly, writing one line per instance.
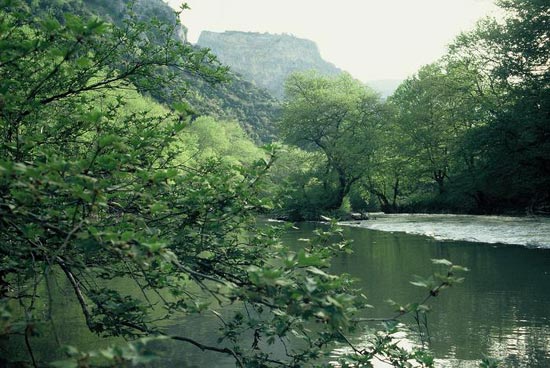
(339, 117)
(424, 121)
(513, 148)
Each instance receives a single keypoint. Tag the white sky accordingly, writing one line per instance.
(371, 39)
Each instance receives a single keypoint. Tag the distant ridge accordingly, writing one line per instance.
(266, 59)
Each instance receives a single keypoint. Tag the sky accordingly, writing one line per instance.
(370, 39)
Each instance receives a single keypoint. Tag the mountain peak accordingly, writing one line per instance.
(264, 58)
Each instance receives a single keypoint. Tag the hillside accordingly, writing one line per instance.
(254, 108)
(266, 59)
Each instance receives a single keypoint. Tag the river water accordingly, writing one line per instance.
(501, 310)
(533, 232)
(503, 307)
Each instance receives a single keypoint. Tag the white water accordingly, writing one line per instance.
(531, 232)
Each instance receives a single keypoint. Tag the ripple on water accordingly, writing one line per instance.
(533, 232)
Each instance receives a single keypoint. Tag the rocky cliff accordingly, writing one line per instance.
(254, 108)
(266, 59)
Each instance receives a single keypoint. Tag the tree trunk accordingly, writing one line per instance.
(439, 177)
(341, 192)
(395, 193)
(384, 202)
(344, 187)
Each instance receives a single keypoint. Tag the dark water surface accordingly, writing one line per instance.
(502, 309)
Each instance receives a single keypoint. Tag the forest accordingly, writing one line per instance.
(126, 153)
(465, 134)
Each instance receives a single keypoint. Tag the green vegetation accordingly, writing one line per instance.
(513, 88)
(338, 118)
(237, 99)
(122, 157)
(99, 183)
(468, 133)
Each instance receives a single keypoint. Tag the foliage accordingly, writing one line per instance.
(477, 116)
(132, 354)
(95, 187)
(295, 183)
(235, 99)
(513, 147)
(338, 117)
(428, 121)
(211, 139)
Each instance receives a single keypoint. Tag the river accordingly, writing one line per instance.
(501, 310)
(532, 232)
(503, 307)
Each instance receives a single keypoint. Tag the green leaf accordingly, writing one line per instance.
(108, 140)
(459, 268)
(67, 363)
(442, 261)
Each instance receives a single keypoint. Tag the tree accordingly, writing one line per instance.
(435, 111)
(221, 139)
(337, 116)
(512, 148)
(423, 116)
(480, 116)
(93, 191)
(296, 183)
(393, 172)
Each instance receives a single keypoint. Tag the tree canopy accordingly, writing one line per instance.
(339, 117)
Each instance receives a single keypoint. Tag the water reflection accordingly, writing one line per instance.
(501, 310)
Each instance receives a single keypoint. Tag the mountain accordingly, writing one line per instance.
(266, 59)
(113, 11)
(253, 107)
